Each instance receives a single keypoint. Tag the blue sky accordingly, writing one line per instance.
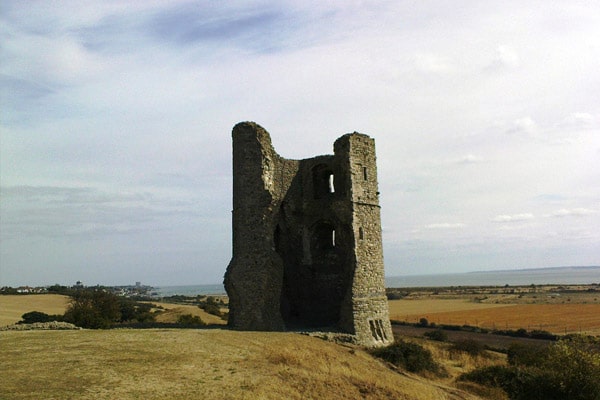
(116, 117)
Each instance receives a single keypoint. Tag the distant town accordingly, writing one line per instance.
(132, 291)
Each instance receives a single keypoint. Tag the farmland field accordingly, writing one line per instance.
(555, 318)
(577, 310)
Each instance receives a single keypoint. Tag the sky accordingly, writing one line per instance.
(116, 118)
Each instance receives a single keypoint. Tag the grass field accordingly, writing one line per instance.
(13, 306)
(198, 364)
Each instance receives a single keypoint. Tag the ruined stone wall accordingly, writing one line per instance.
(307, 239)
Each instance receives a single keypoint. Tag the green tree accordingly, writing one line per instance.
(93, 308)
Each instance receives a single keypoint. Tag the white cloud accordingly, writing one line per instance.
(470, 159)
(445, 225)
(568, 212)
(432, 63)
(524, 126)
(506, 58)
(513, 218)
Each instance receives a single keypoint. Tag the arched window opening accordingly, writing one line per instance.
(323, 181)
(323, 239)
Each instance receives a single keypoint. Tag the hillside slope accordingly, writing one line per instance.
(192, 364)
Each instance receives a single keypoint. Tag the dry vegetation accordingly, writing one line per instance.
(575, 310)
(13, 306)
(555, 318)
(172, 311)
(190, 364)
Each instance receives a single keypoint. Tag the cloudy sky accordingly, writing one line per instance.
(116, 121)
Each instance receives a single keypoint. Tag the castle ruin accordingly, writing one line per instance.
(307, 248)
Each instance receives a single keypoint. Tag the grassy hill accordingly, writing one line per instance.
(193, 364)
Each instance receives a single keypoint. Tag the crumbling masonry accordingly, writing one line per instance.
(307, 240)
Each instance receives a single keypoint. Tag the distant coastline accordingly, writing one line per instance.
(537, 276)
(537, 269)
(584, 275)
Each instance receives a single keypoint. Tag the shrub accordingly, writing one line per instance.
(211, 309)
(423, 322)
(470, 346)
(409, 356)
(568, 369)
(38, 316)
(438, 334)
(526, 354)
(494, 375)
(132, 311)
(190, 320)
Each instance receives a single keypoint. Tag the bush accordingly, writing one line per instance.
(38, 316)
(494, 376)
(132, 311)
(438, 335)
(212, 309)
(190, 320)
(470, 346)
(568, 369)
(423, 322)
(526, 354)
(409, 356)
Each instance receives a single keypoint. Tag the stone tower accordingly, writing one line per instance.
(307, 248)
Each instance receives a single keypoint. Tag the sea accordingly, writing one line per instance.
(520, 277)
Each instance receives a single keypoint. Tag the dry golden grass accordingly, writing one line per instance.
(173, 311)
(13, 306)
(191, 364)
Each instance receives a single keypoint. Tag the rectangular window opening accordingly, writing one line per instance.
(365, 176)
(331, 184)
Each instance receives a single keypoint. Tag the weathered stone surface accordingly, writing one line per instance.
(307, 239)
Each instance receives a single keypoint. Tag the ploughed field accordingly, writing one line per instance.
(558, 310)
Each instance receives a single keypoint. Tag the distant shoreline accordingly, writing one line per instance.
(574, 267)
